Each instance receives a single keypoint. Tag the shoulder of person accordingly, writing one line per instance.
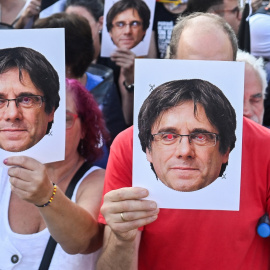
(95, 175)
(124, 139)
(92, 182)
(254, 131)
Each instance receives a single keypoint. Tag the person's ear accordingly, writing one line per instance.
(148, 155)
(100, 23)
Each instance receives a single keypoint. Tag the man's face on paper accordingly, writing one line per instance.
(183, 165)
(127, 30)
(24, 123)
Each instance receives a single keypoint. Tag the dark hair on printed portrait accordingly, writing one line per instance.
(218, 109)
(41, 72)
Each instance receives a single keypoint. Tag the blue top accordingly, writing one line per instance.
(92, 81)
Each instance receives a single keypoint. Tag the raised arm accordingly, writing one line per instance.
(73, 225)
(125, 212)
(30, 13)
(125, 59)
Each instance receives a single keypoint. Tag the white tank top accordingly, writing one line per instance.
(25, 251)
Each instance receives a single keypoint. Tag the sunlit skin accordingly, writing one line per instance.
(253, 97)
(20, 128)
(185, 167)
(191, 40)
(128, 37)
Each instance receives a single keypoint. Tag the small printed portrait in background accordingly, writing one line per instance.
(29, 96)
(126, 24)
(187, 130)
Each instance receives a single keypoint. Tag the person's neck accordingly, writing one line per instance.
(61, 172)
(82, 79)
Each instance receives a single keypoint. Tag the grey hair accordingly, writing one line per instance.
(257, 64)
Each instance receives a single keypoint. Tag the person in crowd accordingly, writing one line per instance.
(127, 22)
(255, 85)
(259, 36)
(29, 97)
(121, 62)
(139, 235)
(79, 52)
(195, 109)
(114, 109)
(227, 9)
(79, 49)
(259, 23)
(164, 20)
(93, 12)
(33, 201)
(124, 59)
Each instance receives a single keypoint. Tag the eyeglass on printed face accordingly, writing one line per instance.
(122, 24)
(70, 119)
(23, 102)
(170, 139)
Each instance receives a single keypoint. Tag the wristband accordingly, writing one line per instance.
(50, 200)
(129, 88)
